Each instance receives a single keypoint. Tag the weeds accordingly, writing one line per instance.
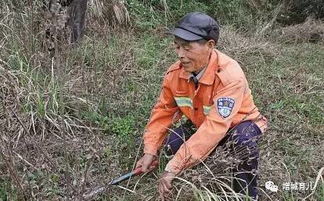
(70, 120)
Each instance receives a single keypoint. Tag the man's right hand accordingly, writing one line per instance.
(145, 162)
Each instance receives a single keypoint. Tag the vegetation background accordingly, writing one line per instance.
(72, 115)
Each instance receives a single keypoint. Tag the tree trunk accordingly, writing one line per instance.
(77, 13)
(69, 17)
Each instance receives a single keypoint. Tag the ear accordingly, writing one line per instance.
(211, 43)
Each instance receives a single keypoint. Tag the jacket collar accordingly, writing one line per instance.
(209, 75)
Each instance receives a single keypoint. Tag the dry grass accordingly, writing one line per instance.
(62, 117)
(212, 178)
(239, 46)
(44, 152)
(113, 11)
(309, 31)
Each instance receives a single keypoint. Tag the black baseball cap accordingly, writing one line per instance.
(196, 26)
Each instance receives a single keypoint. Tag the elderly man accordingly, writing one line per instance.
(211, 91)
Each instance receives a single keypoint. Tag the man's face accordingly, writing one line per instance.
(193, 55)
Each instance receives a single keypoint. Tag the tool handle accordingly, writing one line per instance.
(139, 171)
(135, 172)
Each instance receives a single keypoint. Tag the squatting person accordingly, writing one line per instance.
(210, 89)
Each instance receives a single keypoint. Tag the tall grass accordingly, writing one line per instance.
(72, 116)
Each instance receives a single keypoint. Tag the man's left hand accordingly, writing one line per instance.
(165, 184)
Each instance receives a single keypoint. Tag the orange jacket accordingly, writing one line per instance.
(222, 100)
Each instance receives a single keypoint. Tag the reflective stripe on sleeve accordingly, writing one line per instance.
(206, 109)
(183, 101)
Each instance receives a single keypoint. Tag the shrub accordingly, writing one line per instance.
(298, 10)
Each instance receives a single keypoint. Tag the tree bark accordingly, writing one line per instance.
(76, 22)
(69, 14)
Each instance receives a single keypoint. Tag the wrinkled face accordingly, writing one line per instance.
(193, 55)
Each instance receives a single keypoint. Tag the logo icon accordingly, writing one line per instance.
(269, 185)
(225, 106)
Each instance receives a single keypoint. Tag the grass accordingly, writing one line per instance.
(74, 121)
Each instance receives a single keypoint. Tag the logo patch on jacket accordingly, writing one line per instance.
(225, 106)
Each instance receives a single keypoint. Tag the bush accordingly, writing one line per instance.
(298, 10)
